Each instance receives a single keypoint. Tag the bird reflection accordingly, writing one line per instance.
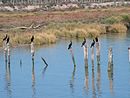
(33, 79)
(8, 75)
(72, 80)
(110, 77)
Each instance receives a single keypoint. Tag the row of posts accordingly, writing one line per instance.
(85, 48)
(110, 69)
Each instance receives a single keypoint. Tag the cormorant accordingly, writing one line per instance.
(7, 40)
(96, 39)
(5, 37)
(70, 45)
(83, 43)
(32, 38)
(93, 43)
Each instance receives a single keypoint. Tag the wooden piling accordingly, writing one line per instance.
(110, 60)
(92, 57)
(4, 46)
(98, 53)
(8, 52)
(97, 49)
(73, 59)
(86, 55)
(32, 50)
(129, 53)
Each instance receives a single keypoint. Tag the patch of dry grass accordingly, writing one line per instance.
(75, 30)
(118, 28)
(24, 38)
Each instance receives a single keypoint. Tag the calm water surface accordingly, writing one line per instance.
(27, 79)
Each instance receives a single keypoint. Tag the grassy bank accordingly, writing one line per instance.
(69, 24)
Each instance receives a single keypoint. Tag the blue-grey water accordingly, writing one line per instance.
(27, 79)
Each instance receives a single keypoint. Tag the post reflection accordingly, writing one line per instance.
(8, 75)
(44, 70)
(86, 79)
(33, 79)
(99, 80)
(93, 85)
(110, 77)
(72, 80)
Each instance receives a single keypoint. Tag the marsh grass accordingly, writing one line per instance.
(68, 24)
(24, 38)
(75, 30)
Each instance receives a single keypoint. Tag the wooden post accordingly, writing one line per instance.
(129, 53)
(92, 57)
(110, 60)
(32, 50)
(86, 55)
(8, 52)
(73, 59)
(4, 46)
(98, 52)
(92, 53)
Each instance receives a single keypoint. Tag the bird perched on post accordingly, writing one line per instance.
(7, 40)
(83, 43)
(70, 45)
(32, 38)
(93, 43)
(96, 39)
(5, 37)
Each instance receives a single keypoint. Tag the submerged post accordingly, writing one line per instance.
(129, 53)
(110, 59)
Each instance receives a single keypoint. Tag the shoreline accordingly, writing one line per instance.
(48, 28)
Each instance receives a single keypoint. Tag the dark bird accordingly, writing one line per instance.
(93, 43)
(70, 45)
(96, 39)
(83, 43)
(32, 38)
(7, 40)
(5, 37)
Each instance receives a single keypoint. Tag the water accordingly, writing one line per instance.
(28, 79)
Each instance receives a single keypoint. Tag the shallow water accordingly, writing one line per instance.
(27, 79)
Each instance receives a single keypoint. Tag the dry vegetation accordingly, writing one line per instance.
(76, 24)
